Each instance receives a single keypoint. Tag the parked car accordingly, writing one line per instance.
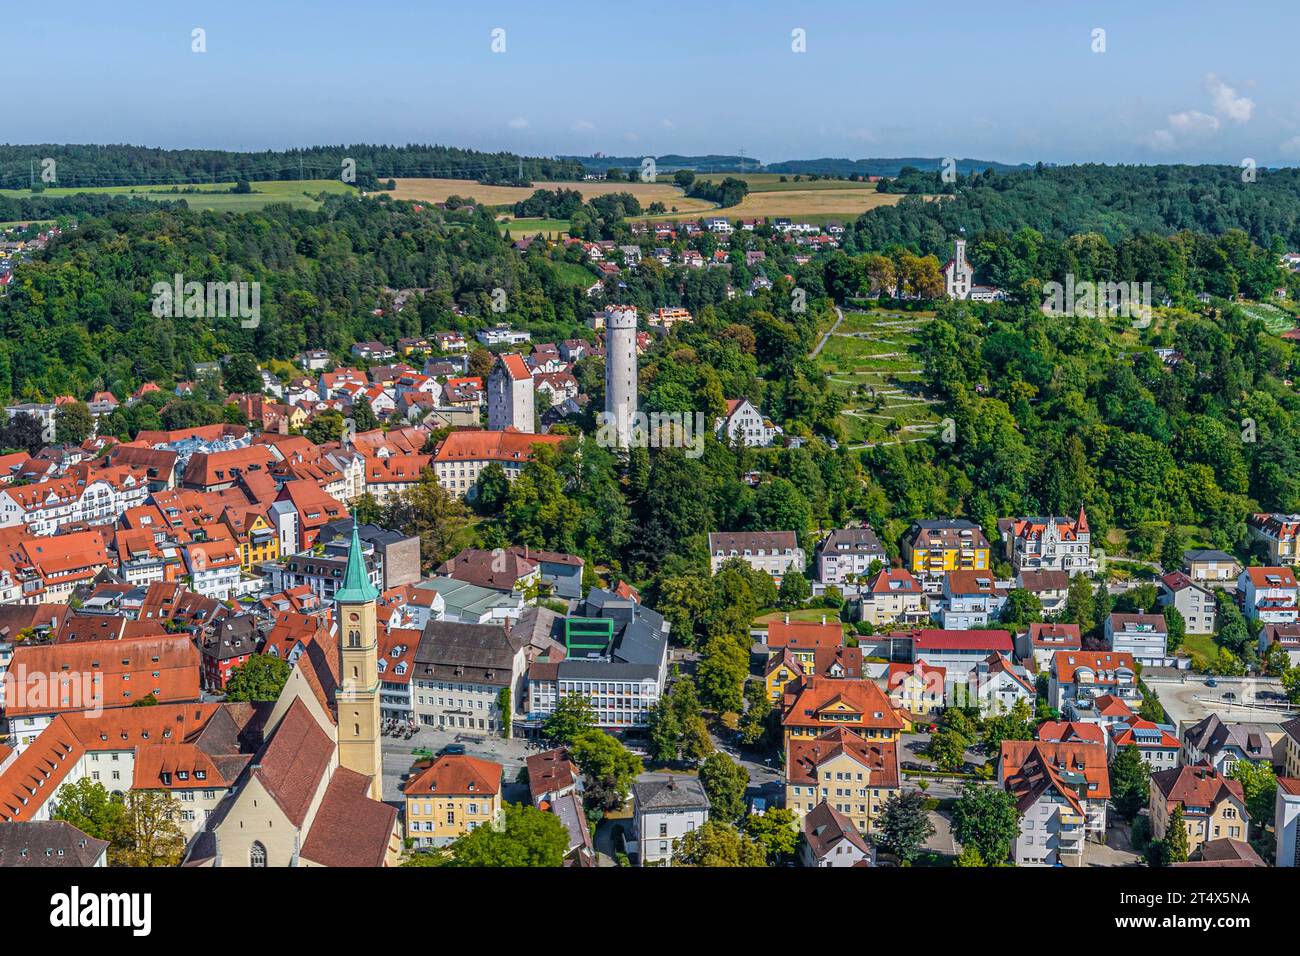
(452, 750)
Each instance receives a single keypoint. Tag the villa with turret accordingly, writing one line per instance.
(1050, 544)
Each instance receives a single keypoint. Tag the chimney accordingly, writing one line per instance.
(823, 620)
(787, 619)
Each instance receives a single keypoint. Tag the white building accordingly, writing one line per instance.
(510, 394)
(848, 552)
(664, 811)
(971, 599)
(503, 335)
(772, 552)
(1268, 594)
(1144, 636)
(1061, 791)
(745, 425)
(1049, 544)
(958, 276)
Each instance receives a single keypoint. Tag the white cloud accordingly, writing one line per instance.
(1227, 104)
(666, 124)
(518, 123)
(1193, 121)
(1291, 148)
(583, 126)
(1161, 140)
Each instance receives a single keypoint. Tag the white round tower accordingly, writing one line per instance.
(620, 370)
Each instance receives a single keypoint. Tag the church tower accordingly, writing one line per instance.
(357, 698)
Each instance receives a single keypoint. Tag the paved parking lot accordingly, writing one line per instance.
(1187, 700)
(510, 753)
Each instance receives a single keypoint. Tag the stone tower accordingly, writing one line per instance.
(357, 696)
(620, 371)
(510, 394)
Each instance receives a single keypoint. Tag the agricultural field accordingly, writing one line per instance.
(217, 197)
(437, 190)
(871, 361)
(548, 228)
(811, 205)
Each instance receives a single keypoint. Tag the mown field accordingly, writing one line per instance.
(217, 197)
(438, 190)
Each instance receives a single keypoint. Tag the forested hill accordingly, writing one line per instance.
(88, 165)
(884, 167)
(79, 316)
(1115, 201)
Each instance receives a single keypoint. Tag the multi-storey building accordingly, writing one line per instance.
(461, 672)
(745, 425)
(854, 775)
(1049, 544)
(614, 652)
(771, 552)
(1079, 678)
(1193, 601)
(450, 797)
(463, 455)
(1278, 533)
(1061, 791)
(1145, 637)
(1214, 806)
(893, 596)
(848, 553)
(938, 546)
(664, 811)
(510, 394)
(971, 599)
(1268, 594)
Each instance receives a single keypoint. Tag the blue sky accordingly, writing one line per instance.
(1178, 82)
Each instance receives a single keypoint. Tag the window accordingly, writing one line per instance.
(257, 855)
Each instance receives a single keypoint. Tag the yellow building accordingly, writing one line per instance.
(257, 540)
(450, 797)
(792, 649)
(1214, 807)
(917, 688)
(893, 596)
(945, 544)
(853, 775)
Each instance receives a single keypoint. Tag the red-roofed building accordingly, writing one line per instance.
(1061, 791)
(1214, 806)
(462, 455)
(94, 676)
(1042, 640)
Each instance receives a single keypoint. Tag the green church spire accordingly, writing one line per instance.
(356, 588)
